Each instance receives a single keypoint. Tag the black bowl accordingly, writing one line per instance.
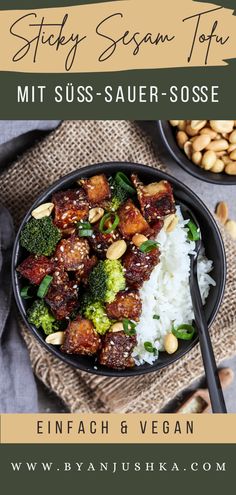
(211, 238)
(170, 151)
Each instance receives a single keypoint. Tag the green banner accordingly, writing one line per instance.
(122, 87)
(131, 94)
(115, 469)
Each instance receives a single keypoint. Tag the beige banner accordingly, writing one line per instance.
(115, 36)
(118, 428)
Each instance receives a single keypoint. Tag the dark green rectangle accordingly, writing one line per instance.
(40, 4)
(184, 79)
(29, 4)
(163, 78)
(201, 466)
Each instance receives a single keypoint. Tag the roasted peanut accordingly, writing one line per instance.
(182, 138)
(190, 131)
(226, 159)
(230, 168)
(197, 157)
(170, 223)
(95, 214)
(209, 131)
(198, 124)
(218, 145)
(218, 166)
(170, 343)
(56, 338)
(139, 239)
(232, 137)
(201, 142)
(182, 124)
(42, 211)
(188, 149)
(231, 228)
(233, 155)
(208, 160)
(222, 125)
(222, 212)
(174, 123)
(116, 250)
(117, 327)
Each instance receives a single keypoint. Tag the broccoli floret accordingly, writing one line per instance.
(97, 282)
(40, 236)
(115, 279)
(85, 300)
(96, 313)
(119, 196)
(105, 280)
(40, 316)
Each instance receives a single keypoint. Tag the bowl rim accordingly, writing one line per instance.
(65, 180)
(189, 166)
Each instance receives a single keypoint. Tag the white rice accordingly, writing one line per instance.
(167, 292)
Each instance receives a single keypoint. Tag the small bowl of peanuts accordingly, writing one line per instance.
(204, 148)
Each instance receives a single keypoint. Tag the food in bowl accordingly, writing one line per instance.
(107, 270)
(209, 144)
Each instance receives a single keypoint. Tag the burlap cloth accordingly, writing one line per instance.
(73, 145)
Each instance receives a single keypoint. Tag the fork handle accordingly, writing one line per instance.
(212, 377)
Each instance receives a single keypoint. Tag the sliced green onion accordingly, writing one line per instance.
(84, 229)
(156, 317)
(193, 231)
(85, 233)
(44, 286)
(124, 182)
(25, 292)
(83, 225)
(149, 348)
(108, 216)
(184, 332)
(148, 246)
(129, 327)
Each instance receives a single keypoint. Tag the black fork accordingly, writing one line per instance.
(209, 362)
